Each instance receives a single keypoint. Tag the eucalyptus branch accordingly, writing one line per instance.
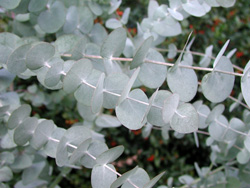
(198, 131)
(94, 90)
(194, 67)
(227, 127)
(197, 54)
(60, 176)
(160, 63)
(208, 174)
(230, 128)
(192, 52)
(147, 104)
(235, 100)
(238, 101)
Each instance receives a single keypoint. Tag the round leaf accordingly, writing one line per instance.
(147, 130)
(172, 51)
(218, 57)
(42, 134)
(245, 84)
(182, 81)
(95, 149)
(152, 182)
(153, 75)
(207, 58)
(111, 66)
(125, 16)
(51, 146)
(113, 23)
(65, 43)
(32, 173)
(38, 55)
(41, 76)
(165, 29)
(106, 121)
(7, 141)
(177, 15)
(8, 42)
(203, 112)
(23, 133)
(216, 130)
(247, 143)
(114, 5)
(17, 60)
(169, 107)
(10, 98)
(6, 78)
(114, 83)
(53, 76)
(7, 157)
(235, 124)
(22, 161)
(51, 20)
(78, 73)
(155, 113)
(36, 6)
(226, 3)
(84, 93)
(122, 179)
(139, 178)
(71, 21)
(165, 132)
(141, 53)
(86, 19)
(73, 136)
(80, 151)
(185, 119)
(86, 112)
(97, 98)
(243, 156)
(215, 113)
(132, 110)
(102, 177)
(9, 4)
(129, 85)
(114, 44)
(4, 110)
(109, 155)
(194, 8)
(150, 103)
(98, 34)
(5, 174)
(216, 86)
(95, 8)
(212, 3)
(79, 48)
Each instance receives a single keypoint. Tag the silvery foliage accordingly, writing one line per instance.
(84, 60)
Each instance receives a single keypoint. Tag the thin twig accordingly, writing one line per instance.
(192, 52)
(198, 54)
(160, 63)
(241, 103)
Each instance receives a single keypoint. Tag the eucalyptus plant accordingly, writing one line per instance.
(105, 71)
